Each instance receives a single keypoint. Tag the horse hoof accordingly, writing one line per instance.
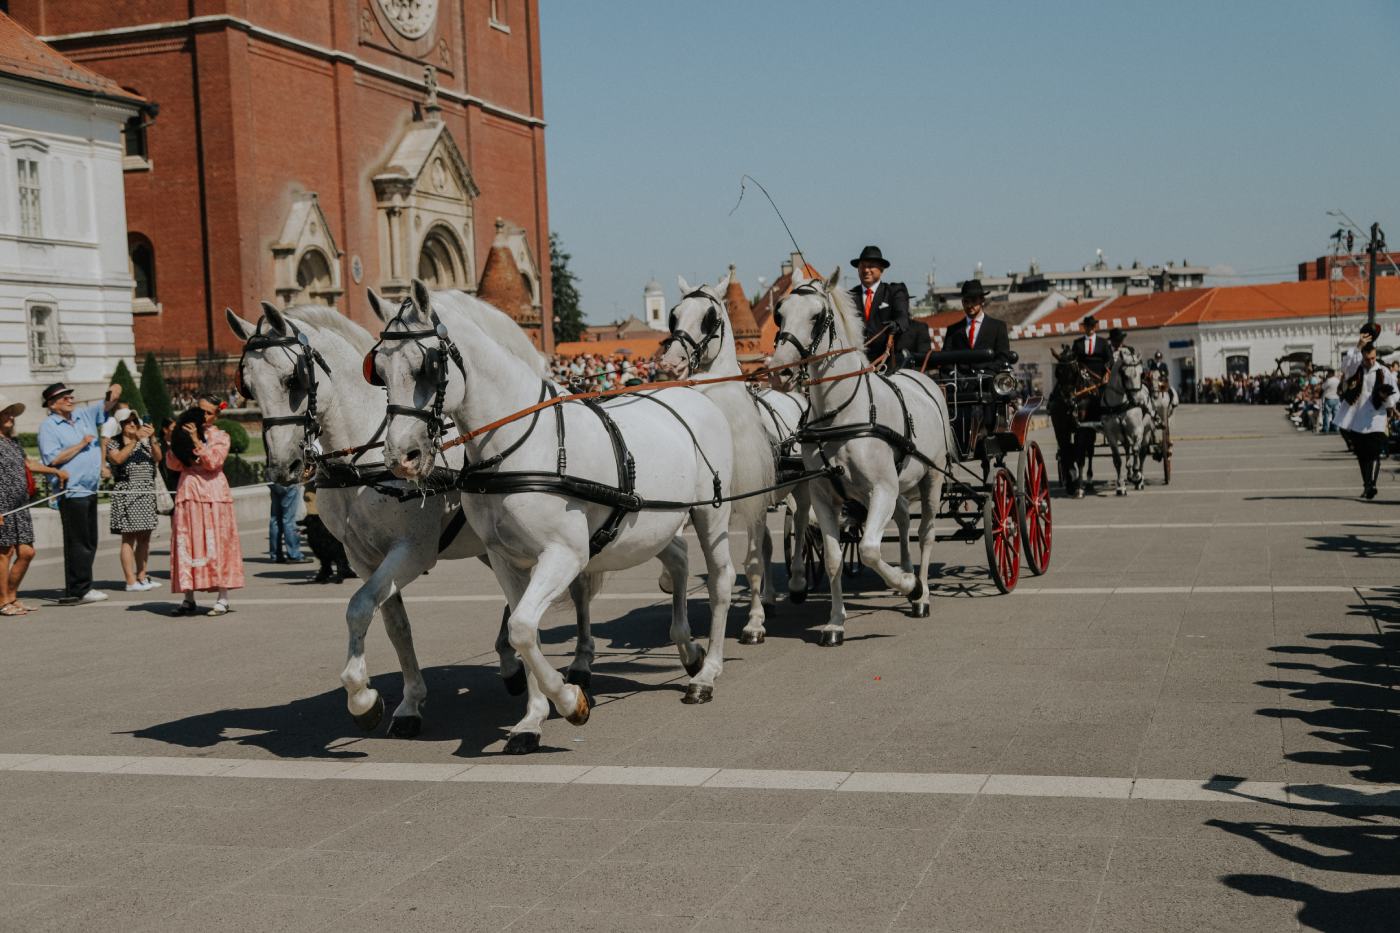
(693, 667)
(405, 727)
(919, 611)
(370, 719)
(522, 743)
(1120, 492)
(581, 679)
(697, 694)
(747, 637)
(797, 596)
(515, 683)
(831, 639)
(917, 593)
(579, 716)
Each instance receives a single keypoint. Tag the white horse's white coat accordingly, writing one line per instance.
(539, 541)
(872, 473)
(389, 542)
(1124, 420)
(701, 315)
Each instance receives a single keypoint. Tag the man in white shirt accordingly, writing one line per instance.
(1331, 398)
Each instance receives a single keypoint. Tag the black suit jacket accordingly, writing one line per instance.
(889, 309)
(915, 344)
(991, 335)
(1102, 358)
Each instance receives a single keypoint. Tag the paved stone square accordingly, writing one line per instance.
(1188, 724)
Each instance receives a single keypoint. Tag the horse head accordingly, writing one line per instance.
(700, 331)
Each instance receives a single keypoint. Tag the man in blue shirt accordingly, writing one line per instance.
(68, 439)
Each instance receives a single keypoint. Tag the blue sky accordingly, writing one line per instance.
(953, 133)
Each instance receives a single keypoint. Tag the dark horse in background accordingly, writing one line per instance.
(1069, 406)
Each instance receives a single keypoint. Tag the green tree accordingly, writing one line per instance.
(154, 391)
(130, 394)
(568, 316)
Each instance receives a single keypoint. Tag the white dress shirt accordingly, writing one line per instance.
(1364, 417)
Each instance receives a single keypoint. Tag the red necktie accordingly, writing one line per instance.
(869, 297)
(1089, 346)
(972, 333)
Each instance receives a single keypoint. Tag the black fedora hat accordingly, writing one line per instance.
(1089, 321)
(1117, 335)
(871, 254)
(1371, 328)
(55, 392)
(972, 290)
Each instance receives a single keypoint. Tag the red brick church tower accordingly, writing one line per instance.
(305, 151)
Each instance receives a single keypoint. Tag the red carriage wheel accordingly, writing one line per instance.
(999, 531)
(1033, 508)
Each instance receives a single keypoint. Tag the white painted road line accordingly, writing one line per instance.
(987, 785)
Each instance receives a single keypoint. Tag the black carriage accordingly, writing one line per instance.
(982, 497)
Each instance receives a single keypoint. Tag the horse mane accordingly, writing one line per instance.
(499, 326)
(850, 323)
(323, 318)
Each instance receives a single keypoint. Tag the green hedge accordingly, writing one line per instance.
(237, 435)
(154, 392)
(130, 394)
(242, 472)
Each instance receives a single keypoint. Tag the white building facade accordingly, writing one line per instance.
(65, 278)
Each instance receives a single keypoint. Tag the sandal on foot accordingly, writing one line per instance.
(186, 608)
(220, 608)
(10, 609)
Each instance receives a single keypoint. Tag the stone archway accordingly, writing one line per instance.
(441, 263)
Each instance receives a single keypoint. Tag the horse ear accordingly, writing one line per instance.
(684, 285)
(834, 279)
(241, 329)
(274, 316)
(722, 284)
(798, 276)
(377, 304)
(422, 298)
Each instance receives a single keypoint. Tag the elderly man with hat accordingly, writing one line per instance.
(68, 439)
(883, 305)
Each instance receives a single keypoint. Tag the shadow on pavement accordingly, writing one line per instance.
(1348, 692)
(1357, 545)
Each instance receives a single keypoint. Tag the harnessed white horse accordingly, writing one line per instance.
(702, 344)
(888, 436)
(554, 493)
(1124, 418)
(390, 540)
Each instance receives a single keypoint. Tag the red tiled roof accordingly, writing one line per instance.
(637, 347)
(22, 55)
(740, 311)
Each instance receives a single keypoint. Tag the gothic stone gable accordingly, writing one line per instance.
(424, 197)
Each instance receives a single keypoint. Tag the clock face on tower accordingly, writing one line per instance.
(411, 19)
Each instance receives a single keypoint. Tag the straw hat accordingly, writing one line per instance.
(8, 407)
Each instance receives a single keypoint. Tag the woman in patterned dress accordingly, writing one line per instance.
(205, 553)
(132, 457)
(17, 528)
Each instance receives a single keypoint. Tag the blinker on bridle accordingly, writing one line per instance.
(823, 325)
(434, 368)
(305, 359)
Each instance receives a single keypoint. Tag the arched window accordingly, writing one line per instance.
(314, 277)
(143, 271)
(440, 262)
(135, 156)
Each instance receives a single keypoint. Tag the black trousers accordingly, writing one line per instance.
(78, 515)
(1368, 448)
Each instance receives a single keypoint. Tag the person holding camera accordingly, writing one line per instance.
(1368, 394)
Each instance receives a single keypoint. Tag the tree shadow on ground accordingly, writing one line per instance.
(1347, 691)
(1357, 545)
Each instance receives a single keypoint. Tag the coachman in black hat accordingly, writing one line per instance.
(1093, 353)
(977, 331)
(883, 305)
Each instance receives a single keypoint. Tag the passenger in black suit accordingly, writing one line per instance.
(884, 305)
(977, 331)
(915, 344)
(1094, 354)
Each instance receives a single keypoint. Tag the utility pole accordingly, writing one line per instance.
(1377, 245)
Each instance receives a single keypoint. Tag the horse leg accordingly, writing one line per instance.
(801, 517)
(676, 560)
(555, 568)
(760, 583)
(523, 737)
(901, 522)
(770, 592)
(712, 527)
(930, 494)
(581, 667)
(1118, 488)
(829, 518)
(364, 702)
(880, 507)
(407, 720)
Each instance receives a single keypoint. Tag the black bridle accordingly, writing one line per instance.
(304, 359)
(434, 371)
(823, 325)
(712, 329)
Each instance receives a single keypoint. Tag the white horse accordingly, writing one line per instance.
(848, 409)
(549, 509)
(1124, 418)
(702, 344)
(389, 540)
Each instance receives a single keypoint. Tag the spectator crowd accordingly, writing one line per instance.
(594, 371)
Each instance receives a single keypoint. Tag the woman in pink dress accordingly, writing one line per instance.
(205, 553)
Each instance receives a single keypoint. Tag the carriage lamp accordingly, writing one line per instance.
(1004, 384)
